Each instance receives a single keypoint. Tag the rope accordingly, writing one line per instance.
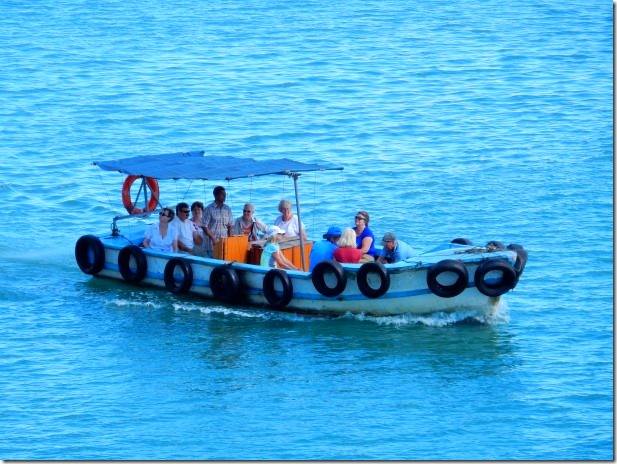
(227, 190)
(106, 193)
(476, 250)
(187, 190)
(314, 197)
(176, 187)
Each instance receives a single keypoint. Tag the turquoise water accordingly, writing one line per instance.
(482, 119)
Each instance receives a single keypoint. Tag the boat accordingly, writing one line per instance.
(455, 275)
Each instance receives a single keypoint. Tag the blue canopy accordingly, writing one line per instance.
(194, 165)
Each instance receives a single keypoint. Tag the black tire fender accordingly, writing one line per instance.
(521, 259)
(507, 282)
(447, 265)
(462, 241)
(90, 254)
(319, 281)
(124, 264)
(225, 284)
(362, 278)
(273, 298)
(187, 275)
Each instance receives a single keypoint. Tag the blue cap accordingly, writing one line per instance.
(333, 232)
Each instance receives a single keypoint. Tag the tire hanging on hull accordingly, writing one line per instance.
(90, 254)
(124, 264)
(504, 284)
(319, 280)
(447, 265)
(225, 284)
(277, 301)
(362, 279)
(187, 275)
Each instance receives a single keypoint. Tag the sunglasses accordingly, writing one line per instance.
(163, 214)
(360, 218)
(246, 211)
(185, 211)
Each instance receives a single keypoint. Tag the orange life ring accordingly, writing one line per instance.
(153, 185)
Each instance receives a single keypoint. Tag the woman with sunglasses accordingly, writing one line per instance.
(162, 236)
(247, 224)
(365, 240)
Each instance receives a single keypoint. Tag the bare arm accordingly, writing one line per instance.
(209, 234)
(197, 238)
(366, 244)
(183, 247)
(283, 262)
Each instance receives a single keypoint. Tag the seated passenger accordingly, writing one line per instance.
(272, 255)
(324, 249)
(394, 250)
(247, 224)
(288, 222)
(187, 235)
(347, 251)
(365, 240)
(162, 236)
(199, 249)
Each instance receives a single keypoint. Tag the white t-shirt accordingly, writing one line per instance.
(162, 243)
(290, 227)
(185, 232)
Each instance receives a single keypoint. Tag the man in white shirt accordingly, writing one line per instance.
(188, 237)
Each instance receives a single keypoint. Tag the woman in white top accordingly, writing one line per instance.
(162, 236)
(247, 224)
(288, 222)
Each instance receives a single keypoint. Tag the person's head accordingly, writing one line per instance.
(248, 210)
(361, 218)
(333, 234)
(166, 214)
(183, 211)
(348, 238)
(220, 195)
(389, 240)
(197, 208)
(274, 233)
(285, 207)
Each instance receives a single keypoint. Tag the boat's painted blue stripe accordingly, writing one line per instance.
(310, 296)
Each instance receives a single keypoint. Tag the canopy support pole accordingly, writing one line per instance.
(295, 176)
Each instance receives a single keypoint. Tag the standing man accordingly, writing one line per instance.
(217, 220)
(394, 250)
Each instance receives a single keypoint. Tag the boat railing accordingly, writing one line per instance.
(115, 231)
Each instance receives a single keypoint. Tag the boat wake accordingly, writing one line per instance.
(499, 315)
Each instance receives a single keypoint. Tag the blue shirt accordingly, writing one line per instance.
(366, 233)
(266, 256)
(400, 252)
(322, 251)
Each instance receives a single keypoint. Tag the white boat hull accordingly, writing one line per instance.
(408, 291)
